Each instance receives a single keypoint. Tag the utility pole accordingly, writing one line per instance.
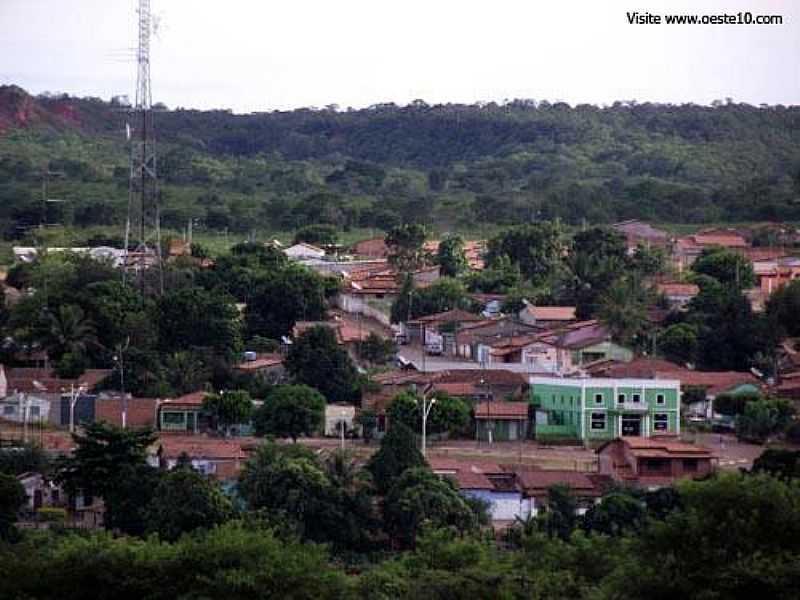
(427, 405)
(143, 225)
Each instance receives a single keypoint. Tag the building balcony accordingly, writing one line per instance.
(630, 407)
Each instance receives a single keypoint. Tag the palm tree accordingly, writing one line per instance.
(624, 309)
(67, 330)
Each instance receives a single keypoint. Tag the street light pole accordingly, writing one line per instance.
(73, 400)
(426, 409)
(342, 426)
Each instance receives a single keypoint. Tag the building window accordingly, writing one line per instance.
(659, 398)
(690, 465)
(660, 422)
(598, 421)
(33, 411)
(621, 398)
(637, 398)
(598, 398)
(9, 410)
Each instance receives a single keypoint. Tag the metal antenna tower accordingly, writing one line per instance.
(143, 227)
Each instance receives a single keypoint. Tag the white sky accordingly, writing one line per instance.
(263, 55)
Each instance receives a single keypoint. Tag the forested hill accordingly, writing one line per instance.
(446, 163)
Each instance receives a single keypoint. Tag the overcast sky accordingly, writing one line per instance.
(262, 54)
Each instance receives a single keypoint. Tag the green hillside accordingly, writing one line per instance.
(465, 167)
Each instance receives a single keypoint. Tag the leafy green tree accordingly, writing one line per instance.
(418, 497)
(397, 453)
(12, 499)
(319, 234)
(231, 407)
(649, 261)
(186, 371)
(560, 519)
(377, 350)
(784, 464)
(537, 249)
(407, 247)
(450, 256)
(732, 405)
(15, 460)
(401, 307)
(404, 408)
(282, 297)
(617, 514)
(185, 500)
(783, 308)
(449, 413)
(624, 309)
(180, 312)
(291, 411)
(67, 330)
(500, 277)
(106, 459)
(762, 418)
(442, 295)
(368, 420)
(726, 266)
(317, 360)
(679, 342)
(747, 526)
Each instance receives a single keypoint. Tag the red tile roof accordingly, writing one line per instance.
(552, 313)
(456, 315)
(22, 380)
(663, 447)
(536, 482)
(171, 447)
(262, 362)
(195, 399)
(467, 475)
(502, 410)
(375, 247)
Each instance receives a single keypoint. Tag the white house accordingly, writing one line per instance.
(336, 414)
(303, 251)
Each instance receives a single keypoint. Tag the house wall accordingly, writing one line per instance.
(367, 305)
(503, 506)
(15, 407)
(602, 350)
(566, 407)
(503, 430)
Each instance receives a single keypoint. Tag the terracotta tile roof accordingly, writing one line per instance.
(456, 315)
(664, 447)
(467, 475)
(715, 382)
(552, 313)
(261, 362)
(502, 410)
(536, 482)
(457, 389)
(678, 289)
(141, 411)
(374, 247)
(765, 253)
(639, 368)
(22, 379)
(728, 238)
(195, 399)
(489, 376)
(198, 447)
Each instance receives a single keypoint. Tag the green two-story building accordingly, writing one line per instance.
(602, 409)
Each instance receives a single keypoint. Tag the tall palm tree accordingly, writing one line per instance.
(67, 330)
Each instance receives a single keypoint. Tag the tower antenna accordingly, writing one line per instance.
(143, 225)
